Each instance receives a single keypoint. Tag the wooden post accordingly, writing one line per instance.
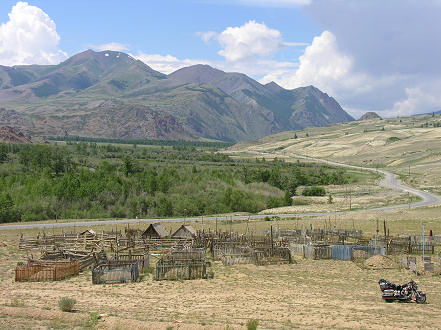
(272, 241)
(231, 225)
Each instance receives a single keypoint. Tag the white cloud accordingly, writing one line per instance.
(248, 40)
(321, 65)
(168, 63)
(115, 46)
(29, 37)
(254, 67)
(207, 36)
(332, 70)
(420, 99)
(324, 66)
(386, 57)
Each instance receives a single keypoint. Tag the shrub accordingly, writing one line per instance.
(330, 199)
(252, 324)
(298, 202)
(392, 139)
(314, 191)
(66, 304)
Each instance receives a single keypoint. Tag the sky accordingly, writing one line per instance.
(370, 55)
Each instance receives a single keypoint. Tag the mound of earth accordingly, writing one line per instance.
(370, 115)
(379, 262)
(9, 135)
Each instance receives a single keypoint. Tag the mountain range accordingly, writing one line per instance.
(111, 94)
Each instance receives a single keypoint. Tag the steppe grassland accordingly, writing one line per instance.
(408, 145)
(317, 294)
(314, 294)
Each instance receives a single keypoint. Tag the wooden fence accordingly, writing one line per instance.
(115, 272)
(237, 255)
(143, 260)
(37, 271)
(317, 252)
(175, 269)
(272, 255)
(182, 264)
(85, 259)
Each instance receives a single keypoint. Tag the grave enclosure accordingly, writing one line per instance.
(184, 256)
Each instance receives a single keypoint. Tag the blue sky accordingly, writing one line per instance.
(166, 26)
(371, 55)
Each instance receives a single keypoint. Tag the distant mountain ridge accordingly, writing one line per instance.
(370, 115)
(111, 94)
(9, 135)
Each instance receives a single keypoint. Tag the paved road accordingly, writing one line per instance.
(389, 180)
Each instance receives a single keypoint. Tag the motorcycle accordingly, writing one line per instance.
(404, 293)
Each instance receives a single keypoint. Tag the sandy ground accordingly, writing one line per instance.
(307, 294)
(355, 197)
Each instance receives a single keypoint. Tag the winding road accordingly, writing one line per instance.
(389, 180)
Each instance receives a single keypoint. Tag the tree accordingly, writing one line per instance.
(6, 208)
(287, 198)
(314, 191)
(128, 166)
(3, 153)
(164, 207)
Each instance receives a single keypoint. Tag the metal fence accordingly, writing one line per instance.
(342, 252)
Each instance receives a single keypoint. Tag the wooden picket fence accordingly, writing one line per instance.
(37, 271)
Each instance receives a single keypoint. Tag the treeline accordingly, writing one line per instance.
(176, 143)
(86, 180)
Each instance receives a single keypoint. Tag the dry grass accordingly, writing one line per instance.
(366, 144)
(312, 294)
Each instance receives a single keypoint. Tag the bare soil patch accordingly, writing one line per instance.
(379, 262)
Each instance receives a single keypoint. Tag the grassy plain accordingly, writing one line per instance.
(408, 146)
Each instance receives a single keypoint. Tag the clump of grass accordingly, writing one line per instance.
(92, 320)
(66, 304)
(252, 324)
(146, 272)
(16, 303)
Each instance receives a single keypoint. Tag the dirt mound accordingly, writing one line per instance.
(379, 262)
